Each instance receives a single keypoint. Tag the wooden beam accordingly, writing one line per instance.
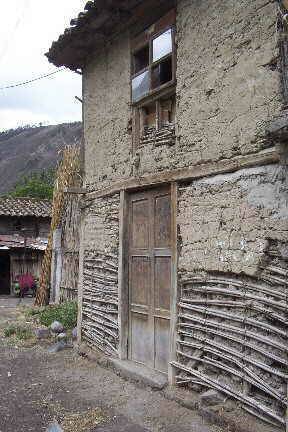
(75, 190)
(264, 157)
(81, 279)
(174, 287)
(123, 278)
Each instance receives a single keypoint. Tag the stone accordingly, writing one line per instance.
(211, 397)
(61, 336)
(139, 373)
(42, 333)
(196, 387)
(74, 333)
(54, 427)
(278, 125)
(56, 327)
(58, 346)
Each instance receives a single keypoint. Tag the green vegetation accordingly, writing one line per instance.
(37, 185)
(32, 312)
(10, 331)
(66, 313)
(22, 333)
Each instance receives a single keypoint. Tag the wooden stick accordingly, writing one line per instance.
(97, 313)
(257, 383)
(238, 330)
(224, 349)
(233, 304)
(233, 317)
(230, 392)
(261, 417)
(101, 300)
(229, 282)
(254, 347)
(237, 294)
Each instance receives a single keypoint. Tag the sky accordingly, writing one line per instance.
(27, 30)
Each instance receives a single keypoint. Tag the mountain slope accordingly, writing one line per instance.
(30, 149)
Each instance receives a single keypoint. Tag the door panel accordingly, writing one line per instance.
(162, 331)
(140, 224)
(141, 343)
(140, 277)
(162, 283)
(150, 277)
(162, 230)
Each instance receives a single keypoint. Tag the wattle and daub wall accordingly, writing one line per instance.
(100, 275)
(232, 228)
(233, 268)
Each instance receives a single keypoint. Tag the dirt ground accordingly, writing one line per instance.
(37, 387)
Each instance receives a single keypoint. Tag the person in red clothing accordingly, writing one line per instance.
(26, 283)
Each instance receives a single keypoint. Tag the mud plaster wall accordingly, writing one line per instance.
(100, 281)
(225, 221)
(233, 268)
(106, 92)
(226, 87)
(226, 91)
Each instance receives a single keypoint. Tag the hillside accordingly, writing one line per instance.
(30, 149)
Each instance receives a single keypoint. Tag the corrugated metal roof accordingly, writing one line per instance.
(25, 207)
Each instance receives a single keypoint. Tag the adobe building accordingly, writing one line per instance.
(24, 229)
(184, 245)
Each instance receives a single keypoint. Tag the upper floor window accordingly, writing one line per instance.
(153, 59)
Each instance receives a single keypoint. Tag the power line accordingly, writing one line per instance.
(32, 80)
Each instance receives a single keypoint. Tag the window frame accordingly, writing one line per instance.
(147, 38)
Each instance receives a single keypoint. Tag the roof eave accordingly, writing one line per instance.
(100, 22)
(96, 24)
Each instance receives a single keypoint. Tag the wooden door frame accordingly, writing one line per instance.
(174, 284)
(123, 286)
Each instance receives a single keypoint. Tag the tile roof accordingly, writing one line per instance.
(25, 207)
(96, 23)
(15, 241)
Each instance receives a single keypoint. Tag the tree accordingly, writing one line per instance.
(36, 185)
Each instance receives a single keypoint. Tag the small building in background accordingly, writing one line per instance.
(65, 250)
(24, 230)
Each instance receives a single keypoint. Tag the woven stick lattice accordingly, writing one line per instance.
(67, 173)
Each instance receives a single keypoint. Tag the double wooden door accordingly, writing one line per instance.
(150, 277)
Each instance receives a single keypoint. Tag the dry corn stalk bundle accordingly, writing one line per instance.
(67, 175)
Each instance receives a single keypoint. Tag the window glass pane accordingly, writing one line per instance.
(141, 59)
(140, 86)
(162, 45)
(162, 73)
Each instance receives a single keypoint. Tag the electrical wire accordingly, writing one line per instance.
(32, 80)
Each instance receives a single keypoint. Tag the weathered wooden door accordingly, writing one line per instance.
(150, 277)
